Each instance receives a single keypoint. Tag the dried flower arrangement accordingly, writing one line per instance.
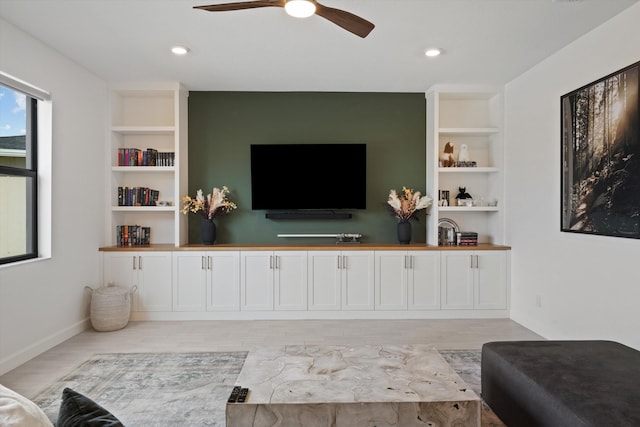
(215, 204)
(407, 203)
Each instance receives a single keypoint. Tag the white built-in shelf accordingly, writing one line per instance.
(468, 208)
(143, 169)
(468, 131)
(143, 208)
(480, 169)
(144, 130)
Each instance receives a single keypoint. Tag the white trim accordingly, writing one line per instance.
(24, 87)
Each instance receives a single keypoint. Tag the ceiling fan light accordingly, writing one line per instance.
(300, 8)
(433, 52)
(179, 50)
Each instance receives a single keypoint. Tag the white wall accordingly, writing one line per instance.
(42, 303)
(589, 286)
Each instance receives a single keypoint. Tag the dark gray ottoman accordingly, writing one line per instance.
(562, 383)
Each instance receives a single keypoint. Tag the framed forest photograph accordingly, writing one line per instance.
(600, 134)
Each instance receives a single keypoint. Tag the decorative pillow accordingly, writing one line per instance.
(17, 410)
(78, 410)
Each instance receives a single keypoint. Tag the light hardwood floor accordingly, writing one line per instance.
(194, 336)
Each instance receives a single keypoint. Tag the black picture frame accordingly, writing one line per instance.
(600, 160)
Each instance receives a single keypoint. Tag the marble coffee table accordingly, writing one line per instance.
(352, 386)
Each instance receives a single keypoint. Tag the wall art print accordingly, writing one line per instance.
(600, 134)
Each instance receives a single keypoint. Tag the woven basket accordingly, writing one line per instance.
(110, 307)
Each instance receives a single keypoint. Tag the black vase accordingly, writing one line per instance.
(404, 232)
(208, 231)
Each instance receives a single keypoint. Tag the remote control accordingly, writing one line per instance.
(243, 395)
(234, 394)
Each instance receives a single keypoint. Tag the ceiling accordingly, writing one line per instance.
(485, 41)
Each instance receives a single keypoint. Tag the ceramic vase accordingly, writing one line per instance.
(208, 231)
(404, 232)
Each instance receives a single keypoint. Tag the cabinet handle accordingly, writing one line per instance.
(139, 262)
(339, 261)
(270, 262)
(276, 260)
(410, 261)
(405, 262)
(202, 262)
(474, 261)
(134, 262)
(210, 262)
(344, 262)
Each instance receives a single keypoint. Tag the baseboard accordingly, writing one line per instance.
(16, 359)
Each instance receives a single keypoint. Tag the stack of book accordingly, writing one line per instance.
(467, 238)
(137, 196)
(148, 157)
(133, 235)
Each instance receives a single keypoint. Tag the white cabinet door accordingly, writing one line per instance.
(120, 268)
(256, 278)
(456, 279)
(290, 280)
(189, 281)
(392, 269)
(491, 280)
(474, 279)
(423, 281)
(324, 280)
(357, 271)
(149, 271)
(154, 282)
(223, 286)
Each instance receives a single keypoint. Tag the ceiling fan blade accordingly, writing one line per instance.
(223, 7)
(350, 22)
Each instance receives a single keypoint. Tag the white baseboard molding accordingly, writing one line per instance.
(16, 359)
(319, 315)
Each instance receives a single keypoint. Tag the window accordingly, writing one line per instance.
(19, 104)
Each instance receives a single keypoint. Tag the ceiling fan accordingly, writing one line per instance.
(302, 9)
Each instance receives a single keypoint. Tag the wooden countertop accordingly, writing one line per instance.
(304, 247)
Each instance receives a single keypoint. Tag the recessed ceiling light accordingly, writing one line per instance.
(180, 50)
(434, 51)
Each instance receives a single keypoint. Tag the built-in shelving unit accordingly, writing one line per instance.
(149, 116)
(473, 116)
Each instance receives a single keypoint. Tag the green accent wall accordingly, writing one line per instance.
(223, 125)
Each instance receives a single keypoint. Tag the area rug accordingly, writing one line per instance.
(186, 389)
(153, 389)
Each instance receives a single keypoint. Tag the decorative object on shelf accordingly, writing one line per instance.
(208, 231)
(448, 155)
(463, 155)
(600, 163)
(463, 198)
(215, 204)
(404, 206)
(447, 231)
(444, 198)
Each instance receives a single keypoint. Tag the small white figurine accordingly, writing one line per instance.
(463, 156)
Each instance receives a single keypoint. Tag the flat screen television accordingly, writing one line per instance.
(308, 176)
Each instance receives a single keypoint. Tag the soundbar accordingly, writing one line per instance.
(308, 215)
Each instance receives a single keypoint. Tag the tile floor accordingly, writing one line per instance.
(186, 336)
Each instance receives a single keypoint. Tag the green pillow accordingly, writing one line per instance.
(77, 410)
